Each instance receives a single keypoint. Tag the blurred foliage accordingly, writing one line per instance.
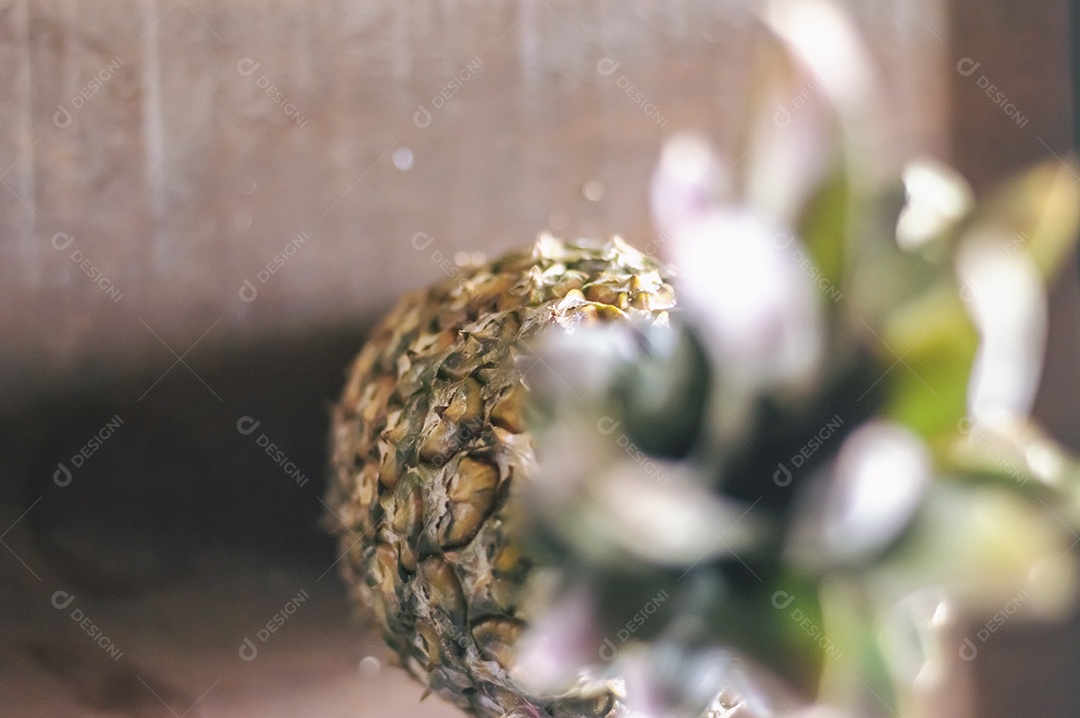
(826, 460)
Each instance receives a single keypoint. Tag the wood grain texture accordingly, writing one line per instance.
(182, 147)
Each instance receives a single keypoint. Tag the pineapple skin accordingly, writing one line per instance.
(428, 440)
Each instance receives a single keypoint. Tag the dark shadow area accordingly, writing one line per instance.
(156, 561)
(124, 482)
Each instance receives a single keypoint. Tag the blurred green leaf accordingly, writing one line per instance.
(883, 278)
(1042, 206)
(983, 546)
(1019, 455)
(779, 623)
(930, 345)
(857, 675)
(825, 225)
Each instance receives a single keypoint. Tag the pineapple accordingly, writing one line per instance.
(429, 440)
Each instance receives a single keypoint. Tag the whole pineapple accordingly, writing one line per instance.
(428, 442)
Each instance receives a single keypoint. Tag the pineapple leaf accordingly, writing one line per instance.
(824, 226)
(928, 346)
(1042, 206)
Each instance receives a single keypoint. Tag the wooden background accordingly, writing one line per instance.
(181, 177)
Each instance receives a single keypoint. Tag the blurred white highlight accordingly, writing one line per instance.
(937, 197)
(1004, 294)
(881, 474)
(824, 38)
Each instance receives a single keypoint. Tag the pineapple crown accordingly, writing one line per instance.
(791, 490)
